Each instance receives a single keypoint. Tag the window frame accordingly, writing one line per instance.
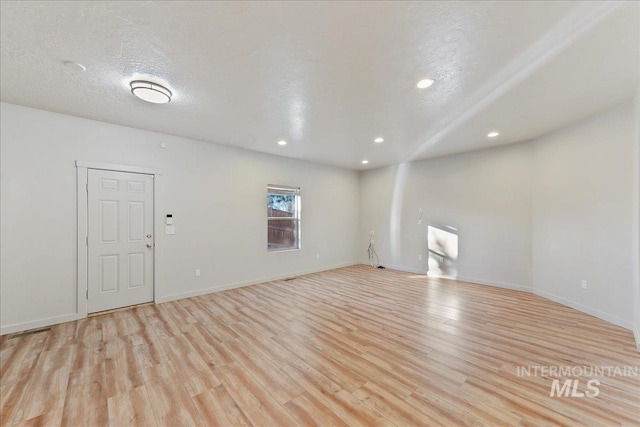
(297, 215)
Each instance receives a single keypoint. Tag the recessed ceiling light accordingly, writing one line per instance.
(75, 66)
(150, 92)
(423, 84)
(492, 134)
(364, 162)
(378, 140)
(282, 142)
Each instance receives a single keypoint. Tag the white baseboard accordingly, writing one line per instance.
(460, 278)
(19, 327)
(25, 326)
(494, 284)
(396, 267)
(219, 288)
(585, 309)
(406, 269)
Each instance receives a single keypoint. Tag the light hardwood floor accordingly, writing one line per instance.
(353, 346)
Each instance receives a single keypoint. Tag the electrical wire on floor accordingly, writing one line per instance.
(374, 260)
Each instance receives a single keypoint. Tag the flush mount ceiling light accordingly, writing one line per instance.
(364, 162)
(151, 92)
(423, 84)
(378, 140)
(282, 142)
(492, 134)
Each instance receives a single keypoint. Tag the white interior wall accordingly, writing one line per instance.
(514, 207)
(485, 194)
(584, 204)
(636, 330)
(217, 195)
(538, 216)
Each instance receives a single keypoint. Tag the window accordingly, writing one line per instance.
(283, 218)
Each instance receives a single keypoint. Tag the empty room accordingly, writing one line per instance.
(320, 213)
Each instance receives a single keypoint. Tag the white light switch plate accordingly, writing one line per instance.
(170, 229)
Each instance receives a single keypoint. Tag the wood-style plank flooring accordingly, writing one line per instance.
(355, 346)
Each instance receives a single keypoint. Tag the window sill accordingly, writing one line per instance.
(274, 251)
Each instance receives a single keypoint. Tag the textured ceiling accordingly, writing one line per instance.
(328, 77)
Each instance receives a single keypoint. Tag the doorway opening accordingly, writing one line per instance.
(443, 251)
(116, 236)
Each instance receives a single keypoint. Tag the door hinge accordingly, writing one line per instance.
(86, 187)
(87, 293)
(87, 240)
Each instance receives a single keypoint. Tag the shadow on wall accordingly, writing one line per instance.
(443, 251)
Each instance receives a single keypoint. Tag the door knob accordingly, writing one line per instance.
(149, 246)
(148, 236)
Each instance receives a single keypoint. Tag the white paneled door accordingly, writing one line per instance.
(120, 239)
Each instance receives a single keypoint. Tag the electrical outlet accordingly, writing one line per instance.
(420, 257)
(197, 272)
(585, 285)
(318, 256)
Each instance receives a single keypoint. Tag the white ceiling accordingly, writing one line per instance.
(328, 77)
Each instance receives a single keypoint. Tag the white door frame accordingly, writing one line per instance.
(82, 170)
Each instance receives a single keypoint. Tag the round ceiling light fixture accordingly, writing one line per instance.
(364, 162)
(282, 142)
(378, 140)
(150, 92)
(492, 134)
